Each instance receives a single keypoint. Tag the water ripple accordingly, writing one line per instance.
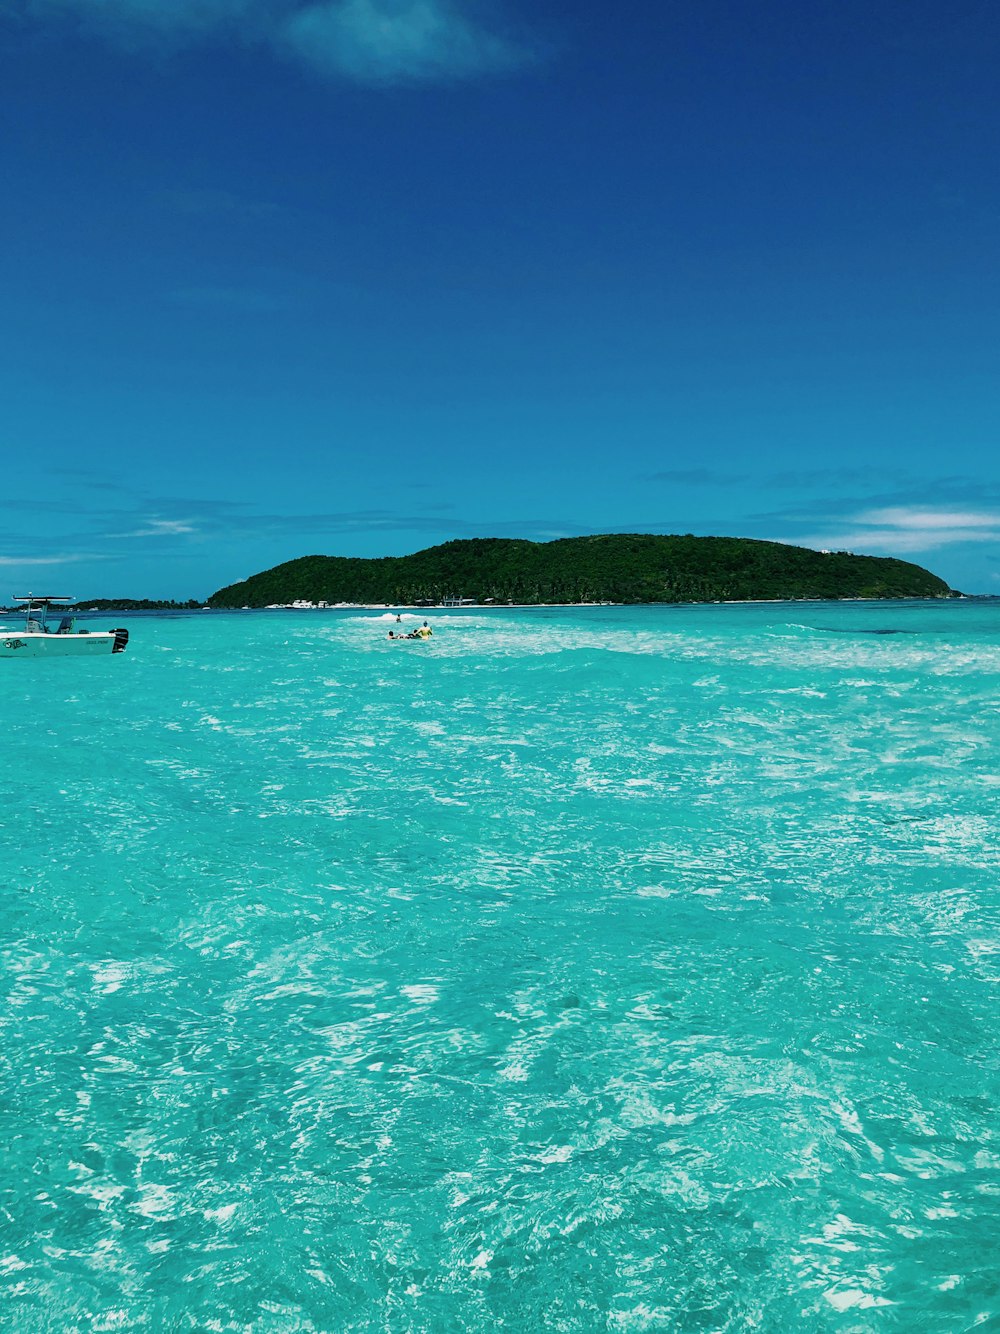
(599, 969)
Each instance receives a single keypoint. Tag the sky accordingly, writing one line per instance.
(354, 277)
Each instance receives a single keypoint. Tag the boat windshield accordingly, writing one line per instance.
(36, 614)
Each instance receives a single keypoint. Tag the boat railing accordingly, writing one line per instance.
(36, 614)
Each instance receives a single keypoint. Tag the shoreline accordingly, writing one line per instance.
(411, 608)
(527, 606)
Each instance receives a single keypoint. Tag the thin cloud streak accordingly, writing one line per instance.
(894, 540)
(19, 561)
(930, 519)
(902, 529)
(158, 528)
(946, 495)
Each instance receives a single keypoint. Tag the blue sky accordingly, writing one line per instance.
(359, 276)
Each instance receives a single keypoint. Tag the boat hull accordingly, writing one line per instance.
(89, 644)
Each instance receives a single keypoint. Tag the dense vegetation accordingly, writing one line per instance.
(136, 604)
(632, 567)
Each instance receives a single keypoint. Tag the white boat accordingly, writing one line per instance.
(40, 638)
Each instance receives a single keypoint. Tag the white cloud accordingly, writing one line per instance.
(159, 528)
(19, 561)
(369, 41)
(911, 517)
(905, 530)
(895, 540)
(379, 41)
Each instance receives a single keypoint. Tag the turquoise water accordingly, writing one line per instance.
(598, 969)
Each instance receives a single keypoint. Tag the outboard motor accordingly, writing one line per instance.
(121, 639)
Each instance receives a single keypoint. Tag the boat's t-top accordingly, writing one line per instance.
(36, 609)
(42, 637)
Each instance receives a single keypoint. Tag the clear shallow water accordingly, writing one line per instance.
(580, 970)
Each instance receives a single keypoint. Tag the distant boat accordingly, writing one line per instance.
(41, 639)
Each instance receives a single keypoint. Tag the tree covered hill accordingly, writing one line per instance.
(136, 604)
(619, 567)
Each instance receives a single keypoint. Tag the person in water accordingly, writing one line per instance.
(422, 632)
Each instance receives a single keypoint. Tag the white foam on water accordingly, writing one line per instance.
(421, 993)
(846, 1299)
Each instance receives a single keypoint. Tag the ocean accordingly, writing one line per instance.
(581, 969)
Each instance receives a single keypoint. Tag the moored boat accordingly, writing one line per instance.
(41, 638)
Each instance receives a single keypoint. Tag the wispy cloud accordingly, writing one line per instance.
(893, 506)
(159, 528)
(928, 519)
(369, 41)
(21, 561)
(903, 530)
(378, 41)
(176, 525)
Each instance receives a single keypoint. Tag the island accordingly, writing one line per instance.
(612, 567)
(136, 604)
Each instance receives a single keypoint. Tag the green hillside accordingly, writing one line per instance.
(631, 567)
(136, 604)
